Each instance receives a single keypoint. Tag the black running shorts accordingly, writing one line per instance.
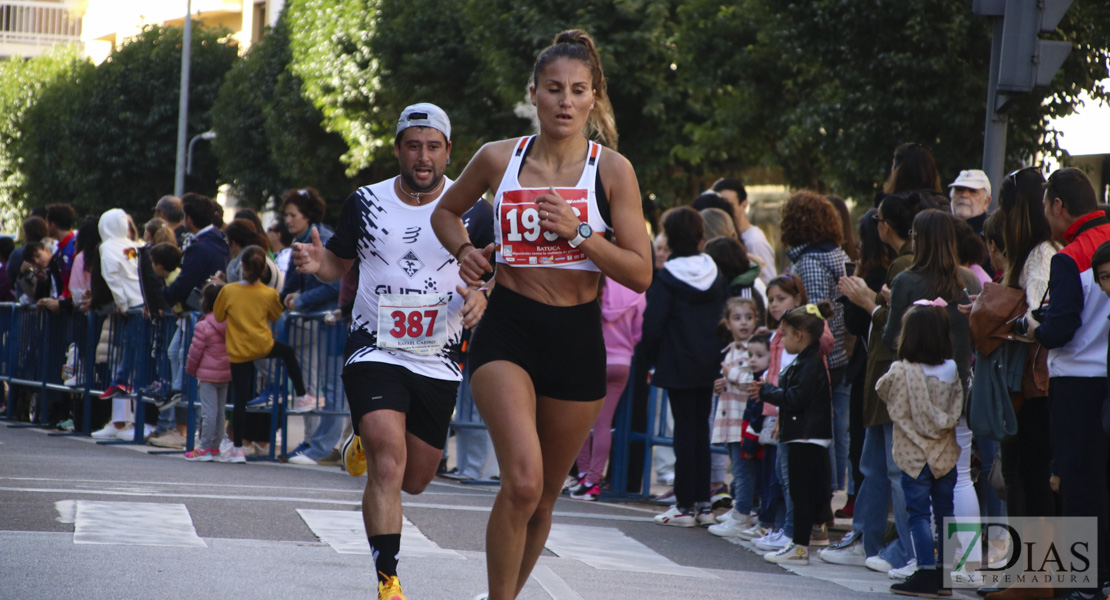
(427, 402)
(561, 347)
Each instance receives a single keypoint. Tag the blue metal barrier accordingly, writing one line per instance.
(34, 344)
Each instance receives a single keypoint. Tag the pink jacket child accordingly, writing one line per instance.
(208, 359)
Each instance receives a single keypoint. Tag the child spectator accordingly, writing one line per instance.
(804, 399)
(119, 266)
(208, 362)
(924, 397)
(684, 305)
(622, 315)
(248, 306)
(740, 320)
(33, 279)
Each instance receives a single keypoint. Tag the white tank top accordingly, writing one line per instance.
(520, 240)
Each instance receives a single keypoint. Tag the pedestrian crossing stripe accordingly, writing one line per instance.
(608, 548)
(345, 532)
(134, 524)
(168, 524)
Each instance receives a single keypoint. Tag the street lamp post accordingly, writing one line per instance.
(207, 135)
(183, 105)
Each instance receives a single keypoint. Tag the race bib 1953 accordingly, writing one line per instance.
(524, 242)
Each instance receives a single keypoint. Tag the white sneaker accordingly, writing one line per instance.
(732, 515)
(234, 455)
(851, 555)
(226, 445)
(301, 459)
(706, 518)
(305, 403)
(774, 541)
(905, 572)
(676, 517)
(754, 532)
(790, 554)
(108, 432)
(127, 434)
(877, 563)
(731, 528)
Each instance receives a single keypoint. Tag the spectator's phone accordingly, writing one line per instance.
(850, 268)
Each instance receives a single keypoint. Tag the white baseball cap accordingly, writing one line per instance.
(425, 114)
(972, 179)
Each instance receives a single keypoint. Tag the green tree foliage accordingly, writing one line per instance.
(269, 136)
(106, 136)
(21, 84)
(821, 91)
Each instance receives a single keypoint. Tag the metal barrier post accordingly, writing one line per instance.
(11, 338)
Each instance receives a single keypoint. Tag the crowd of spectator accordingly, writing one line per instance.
(866, 366)
(165, 274)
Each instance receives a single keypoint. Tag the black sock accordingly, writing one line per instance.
(384, 549)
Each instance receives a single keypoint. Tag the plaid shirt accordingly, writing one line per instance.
(821, 269)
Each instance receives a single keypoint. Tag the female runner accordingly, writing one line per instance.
(537, 360)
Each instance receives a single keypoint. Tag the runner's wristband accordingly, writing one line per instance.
(459, 250)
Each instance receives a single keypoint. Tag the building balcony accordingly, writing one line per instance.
(28, 28)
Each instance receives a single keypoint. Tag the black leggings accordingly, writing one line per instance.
(808, 466)
(1027, 463)
(691, 410)
(242, 383)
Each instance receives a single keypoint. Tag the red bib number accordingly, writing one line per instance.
(414, 323)
(524, 242)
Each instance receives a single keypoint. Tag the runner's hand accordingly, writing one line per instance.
(556, 215)
(474, 306)
(307, 257)
(474, 264)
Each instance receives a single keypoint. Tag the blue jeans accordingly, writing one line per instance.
(744, 476)
(167, 419)
(990, 505)
(881, 487)
(772, 508)
(784, 481)
(841, 478)
(473, 445)
(132, 343)
(919, 491)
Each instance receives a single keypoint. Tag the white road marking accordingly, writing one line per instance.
(609, 549)
(67, 511)
(553, 584)
(135, 524)
(299, 500)
(854, 578)
(344, 531)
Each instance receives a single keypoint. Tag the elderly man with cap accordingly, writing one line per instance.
(402, 354)
(971, 196)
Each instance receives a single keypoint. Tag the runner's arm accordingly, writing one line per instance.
(628, 260)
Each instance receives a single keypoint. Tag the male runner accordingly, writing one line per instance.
(401, 372)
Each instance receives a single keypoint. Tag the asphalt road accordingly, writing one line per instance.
(89, 521)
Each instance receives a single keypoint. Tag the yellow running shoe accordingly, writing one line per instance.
(390, 590)
(354, 460)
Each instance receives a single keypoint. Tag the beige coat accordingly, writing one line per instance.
(925, 411)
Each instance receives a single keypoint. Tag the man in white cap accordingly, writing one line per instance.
(971, 196)
(401, 372)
